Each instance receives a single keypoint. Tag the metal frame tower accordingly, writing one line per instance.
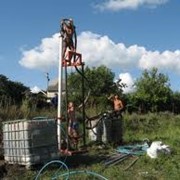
(71, 59)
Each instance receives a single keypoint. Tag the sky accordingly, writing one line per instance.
(127, 36)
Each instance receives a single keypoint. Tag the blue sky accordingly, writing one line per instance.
(127, 36)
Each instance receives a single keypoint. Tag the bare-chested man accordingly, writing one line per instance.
(67, 33)
(116, 123)
(72, 123)
(118, 105)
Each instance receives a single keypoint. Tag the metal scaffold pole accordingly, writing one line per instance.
(68, 57)
(83, 97)
(59, 113)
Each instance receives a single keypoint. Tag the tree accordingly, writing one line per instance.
(98, 80)
(176, 102)
(11, 92)
(152, 91)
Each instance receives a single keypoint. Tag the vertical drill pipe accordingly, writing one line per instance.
(83, 108)
(59, 95)
(66, 104)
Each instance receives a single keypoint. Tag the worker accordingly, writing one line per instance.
(117, 103)
(54, 100)
(67, 33)
(72, 124)
(117, 120)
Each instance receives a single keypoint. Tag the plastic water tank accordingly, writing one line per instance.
(30, 142)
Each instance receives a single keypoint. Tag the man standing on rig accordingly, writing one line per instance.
(68, 31)
(117, 120)
(117, 103)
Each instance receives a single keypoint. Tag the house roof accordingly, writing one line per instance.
(53, 85)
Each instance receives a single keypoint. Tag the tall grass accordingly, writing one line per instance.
(25, 111)
(161, 126)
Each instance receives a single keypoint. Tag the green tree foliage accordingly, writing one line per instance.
(11, 92)
(153, 91)
(176, 102)
(98, 80)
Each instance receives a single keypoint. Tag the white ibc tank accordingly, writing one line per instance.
(30, 142)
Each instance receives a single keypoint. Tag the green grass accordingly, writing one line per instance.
(164, 127)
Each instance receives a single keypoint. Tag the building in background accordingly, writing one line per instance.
(52, 89)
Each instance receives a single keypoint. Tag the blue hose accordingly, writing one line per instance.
(86, 172)
(137, 149)
(51, 162)
(68, 173)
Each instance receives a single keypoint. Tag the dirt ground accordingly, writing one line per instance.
(8, 172)
(3, 166)
(3, 170)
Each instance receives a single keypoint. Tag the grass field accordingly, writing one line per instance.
(90, 165)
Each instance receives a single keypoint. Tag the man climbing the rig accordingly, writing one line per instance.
(68, 32)
(72, 124)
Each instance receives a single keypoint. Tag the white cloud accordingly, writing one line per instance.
(116, 5)
(128, 80)
(43, 56)
(97, 50)
(166, 60)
